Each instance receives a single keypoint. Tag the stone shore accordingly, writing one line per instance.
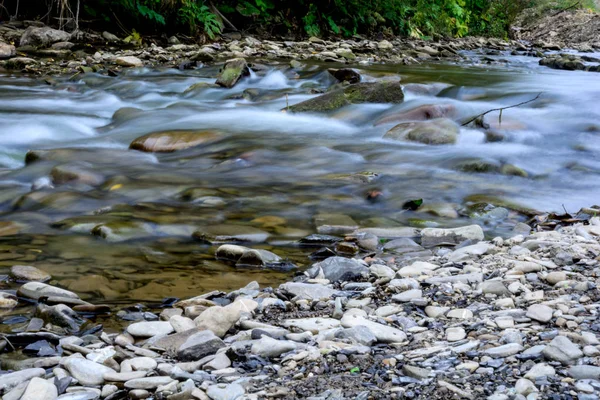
(441, 314)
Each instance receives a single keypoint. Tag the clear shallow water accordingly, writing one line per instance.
(269, 163)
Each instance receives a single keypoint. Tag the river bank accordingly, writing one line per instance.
(452, 317)
(34, 48)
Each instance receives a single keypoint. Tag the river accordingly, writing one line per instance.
(271, 170)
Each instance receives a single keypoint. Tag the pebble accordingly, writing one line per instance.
(539, 312)
(150, 328)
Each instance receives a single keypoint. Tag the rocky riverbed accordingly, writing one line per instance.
(31, 47)
(438, 314)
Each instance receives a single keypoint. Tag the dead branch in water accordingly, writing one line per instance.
(501, 109)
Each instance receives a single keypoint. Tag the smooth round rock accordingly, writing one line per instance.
(150, 328)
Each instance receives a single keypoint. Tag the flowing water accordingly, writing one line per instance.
(271, 170)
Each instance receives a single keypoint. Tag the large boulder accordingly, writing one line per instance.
(368, 92)
(43, 36)
(232, 72)
(169, 141)
(436, 131)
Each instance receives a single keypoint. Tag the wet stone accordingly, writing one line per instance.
(26, 273)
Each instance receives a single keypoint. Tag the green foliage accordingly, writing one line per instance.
(195, 15)
(416, 18)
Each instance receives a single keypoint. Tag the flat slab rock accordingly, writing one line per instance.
(314, 325)
(431, 237)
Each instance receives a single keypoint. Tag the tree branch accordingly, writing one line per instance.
(502, 109)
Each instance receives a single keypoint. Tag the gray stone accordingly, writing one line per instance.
(314, 325)
(150, 328)
(87, 372)
(129, 61)
(494, 287)
(455, 334)
(43, 36)
(563, 350)
(7, 51)
(27, 273)
(269, 347)
(408, 295)
(539, 312)
(358, 334)
(308, 291)
(35, 290)
(181, 323)
(435, 132)
(339, 269)
(415, 372)
(13, 379)
(434, 236)
(503, 351)
(221, 319)
(232, 391)
(124, 376)
(148, 383)
(584, 372)
(382, 271)
(199, 345)
(40, 389)
(475, 277)
(383, 333)
(88, 394)
(541, 370)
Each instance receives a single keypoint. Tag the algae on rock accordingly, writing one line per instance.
(368, 92)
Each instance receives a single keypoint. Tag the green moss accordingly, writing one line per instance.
(380, 92)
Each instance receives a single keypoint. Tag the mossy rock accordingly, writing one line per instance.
(232, 72)
(513, 170)
(368, 92)
(437, 131)
(478, 166)
(169, 141)
(200, 86)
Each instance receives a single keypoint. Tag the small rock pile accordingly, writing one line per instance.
(452, 317)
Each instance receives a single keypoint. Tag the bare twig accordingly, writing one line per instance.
(502, 109)
(215, 10)
(77, 17)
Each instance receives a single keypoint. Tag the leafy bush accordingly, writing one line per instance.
(345, 18)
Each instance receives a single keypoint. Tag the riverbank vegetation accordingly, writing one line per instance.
(338, 18)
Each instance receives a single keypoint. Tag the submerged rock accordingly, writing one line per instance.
(232, 72)
(421, 113)
(372, 92)
(230, 234)
(437, 131)
(27, 273)
(169, 141)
